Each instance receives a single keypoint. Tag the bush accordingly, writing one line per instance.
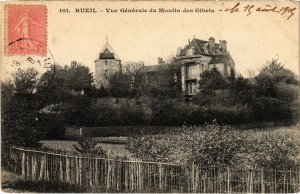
(274, 150)
(213, 144)
(208, 145)
(236, 114)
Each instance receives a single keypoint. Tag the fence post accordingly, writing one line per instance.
(80, 171)
(28, 165)
(262, 180)
(160, 176)
(61, 173)
(47, 167)
(33, 166)
(67, 170)
(42, 168)
(23, 166)
(228, 180)
(97, 185)
(251, 182)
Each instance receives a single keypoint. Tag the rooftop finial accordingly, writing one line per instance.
(106, 38)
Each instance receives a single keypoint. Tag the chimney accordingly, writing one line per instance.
(211, 44)
(178, 51)
(160, 61)
(223, 46)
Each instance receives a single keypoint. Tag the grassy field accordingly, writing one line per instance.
(115, 146)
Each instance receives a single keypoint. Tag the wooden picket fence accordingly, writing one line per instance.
(110, 175)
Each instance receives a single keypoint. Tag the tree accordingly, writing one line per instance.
(271, 75)
(78, 77)
(7, 124)
(119, 85)
(71, 88)
(212, 80)
(20, 117)
(64, 81)
(242, 90)
(163, 83)
(276, 90)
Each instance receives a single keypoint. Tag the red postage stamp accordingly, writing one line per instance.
(26, 29)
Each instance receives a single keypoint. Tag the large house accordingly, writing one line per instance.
(196, 57)
(200, 55)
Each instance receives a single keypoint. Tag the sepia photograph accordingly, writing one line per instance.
(150, 96)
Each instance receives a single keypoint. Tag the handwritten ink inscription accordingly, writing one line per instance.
(249, 9)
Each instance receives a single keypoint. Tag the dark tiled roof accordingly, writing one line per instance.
(219, 59)
(199, 46)
(106, 54)
(152, 68)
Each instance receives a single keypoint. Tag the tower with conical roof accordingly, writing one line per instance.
(106, 64)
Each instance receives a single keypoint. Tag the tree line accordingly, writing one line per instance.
(35, 107)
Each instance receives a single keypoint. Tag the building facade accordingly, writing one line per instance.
(153, 74)
(196, 57)
(200, 55)
(106, 64)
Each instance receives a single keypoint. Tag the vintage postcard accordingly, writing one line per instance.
(150, 96)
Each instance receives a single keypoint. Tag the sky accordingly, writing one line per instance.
(251, 40)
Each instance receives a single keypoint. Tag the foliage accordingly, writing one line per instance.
(77, 109)
(43, 187)
(152, 147)
(276, 72)
(65, 81)
(213, 144)
(20, 117)
(274, 150)
(89, 146)
(115, 111)
(207, 145)
(119, 85)
(212, 80)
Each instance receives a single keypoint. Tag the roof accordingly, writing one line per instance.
(107, 52)
(152, 68)
(199, 46)
(219, 59)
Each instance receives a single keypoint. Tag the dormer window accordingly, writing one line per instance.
(190, 51)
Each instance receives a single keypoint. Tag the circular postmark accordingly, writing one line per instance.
(40, 65)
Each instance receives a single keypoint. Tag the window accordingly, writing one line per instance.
(192, 88)
(106, 62)
(106, 73)
(190, 51)
(192, 72)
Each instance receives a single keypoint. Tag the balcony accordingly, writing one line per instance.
(191, 76)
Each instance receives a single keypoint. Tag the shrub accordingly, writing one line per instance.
(274, 150)
(235, 114)
(88, 145)
(208, 145)
(213, 144)
(151, 147)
